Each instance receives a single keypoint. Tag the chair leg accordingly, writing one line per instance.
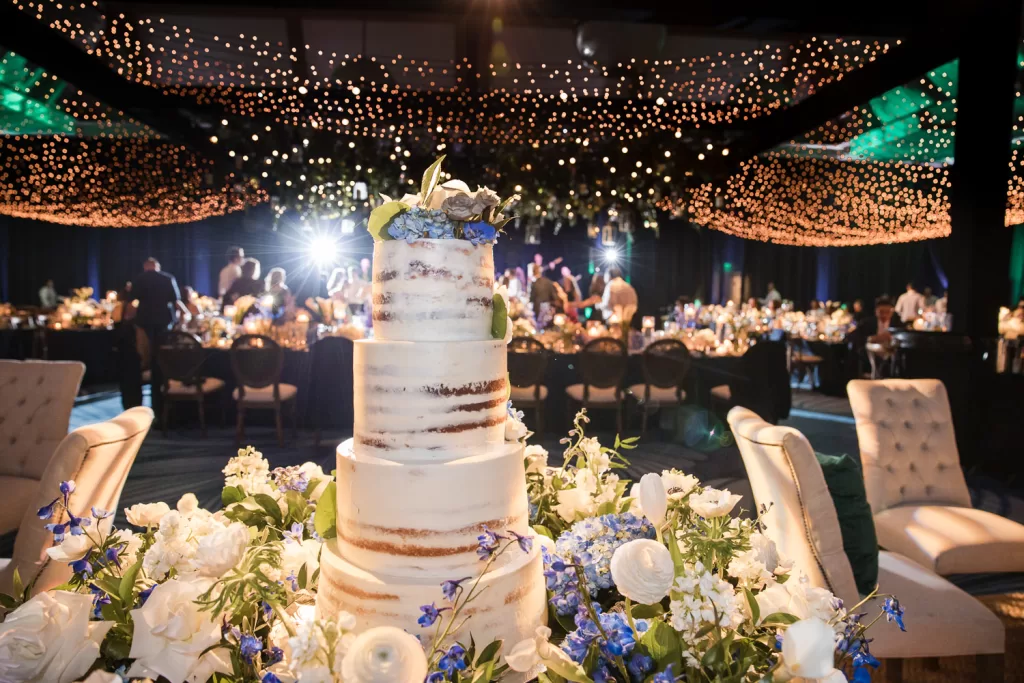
(202, 416)
(280, 427)
(240, 432)
(990, 668)
(166, 414)
(893, 670)
(643, 419)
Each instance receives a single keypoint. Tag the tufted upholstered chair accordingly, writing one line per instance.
(97, 458)
(942, 620)
(35, 406)
(915, 486)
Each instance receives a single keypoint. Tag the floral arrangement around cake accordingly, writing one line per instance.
(448, 210)
(654, 581)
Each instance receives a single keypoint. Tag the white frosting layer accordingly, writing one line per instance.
(424, 519)
(432, 290)
(512, 606)
(429, 401)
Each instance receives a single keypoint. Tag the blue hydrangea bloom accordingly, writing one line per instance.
(419, 223)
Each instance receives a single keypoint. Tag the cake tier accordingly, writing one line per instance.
(432, 290)
(429, 401)
(411, 519)
(512, 604)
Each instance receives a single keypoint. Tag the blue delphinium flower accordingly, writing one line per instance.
(273, 656)
(436, 677)
(591, 544)
(293, 580)
(66, 489)
(893, 611)
(144, 594)
(480, 233)
(76, 524)
(451, 587)
(58, 531)
(46, 511)
(665, 676)
(453, 660)
(269, 677)
(294, 533)
(488, 543)
(516, 415)
(113, 555)
(249, 646)
(100, 513)
(430, 614)
(311, 527)
(290, 479)
(525, 542)
(99, 599)
(619, 643)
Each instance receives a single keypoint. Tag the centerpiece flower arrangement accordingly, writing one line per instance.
(448, 210)
(651, 582)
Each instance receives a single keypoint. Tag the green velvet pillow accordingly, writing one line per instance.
(846, 484)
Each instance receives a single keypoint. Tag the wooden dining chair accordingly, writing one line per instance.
(602, 364)
(665, 365)
(181, 356)
(257, 362)
(527, 363)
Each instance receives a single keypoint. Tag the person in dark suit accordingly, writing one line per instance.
(543, 291)
(159, 305)
(874, 330)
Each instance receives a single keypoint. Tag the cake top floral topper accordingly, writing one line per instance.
(441, 211)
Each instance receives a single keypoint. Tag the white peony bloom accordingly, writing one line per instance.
(653, 498)
(171, 633)
(749, 570)
(714, 502)
(643, 570)
(49, 639)
(188, 504)
(768, 554)
(146, 514)
(514, 429)
(71, 549)
(221, 551)
(315, 472)
(808, 649)
(797, 597)
(385, 654)
(534, 655)
(678, 484)
(575, 503)
(536, 459)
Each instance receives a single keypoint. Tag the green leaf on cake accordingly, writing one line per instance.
(430, 178)
(381, 217)
(325, 518)
(499, 317)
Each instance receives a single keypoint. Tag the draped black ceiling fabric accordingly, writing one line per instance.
(684, 260)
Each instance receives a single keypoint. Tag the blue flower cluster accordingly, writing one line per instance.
(480, 233)
(853, 642)
(451, 661)
(591, 544)
(290, 479)
(619, 643)
(419, 223)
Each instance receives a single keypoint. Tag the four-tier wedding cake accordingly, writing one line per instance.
(428, 469)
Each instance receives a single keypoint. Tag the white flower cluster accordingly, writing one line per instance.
(195, 542)
(248, 471)
(700, 597)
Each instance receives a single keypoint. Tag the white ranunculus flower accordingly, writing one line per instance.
(536, 459)
(71, 549)
(534, 655)
(653, 498)
(221, 551)
(171, 633)
(678, 484)
(714, 502)
(188, 504)
(514, 429)
(49, 639)
(643, 570)
(808, 649)
(314, 471)
(385, 654)
(146, 514)
(574, 503)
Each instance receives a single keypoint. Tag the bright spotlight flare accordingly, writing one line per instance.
(323, 250)
(611, 255)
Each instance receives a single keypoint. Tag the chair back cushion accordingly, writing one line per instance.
(97, 458)
(907, 443)
(846, 486)
(181, 357)
(35, 406)
(785, 476)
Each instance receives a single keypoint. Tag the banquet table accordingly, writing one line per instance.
(19, 344)
(835, 369)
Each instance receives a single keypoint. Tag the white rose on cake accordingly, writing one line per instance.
(50, 639)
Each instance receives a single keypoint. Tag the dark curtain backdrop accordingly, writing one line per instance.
(683, 261)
